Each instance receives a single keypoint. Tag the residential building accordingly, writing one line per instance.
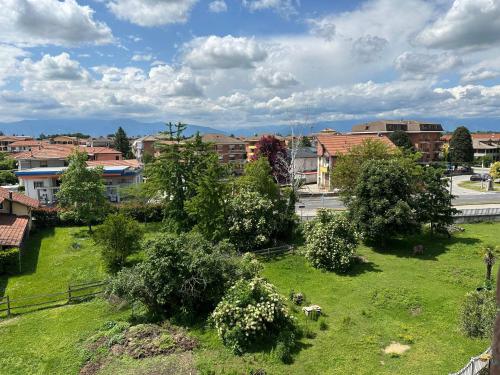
(6, 140)
(56, 155)
(100, 142)
(484, 144)
(305, 163)
(329, 146)
(144, 146)
(67, 140)
(43, 183)
(15, 217)
(230, 150)
(23, 146)
(425, 136)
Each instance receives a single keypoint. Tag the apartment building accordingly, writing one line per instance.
(43, 183)
(484, 144)
(425, 136)
(6, 140)
(329, 146)
(230, 150)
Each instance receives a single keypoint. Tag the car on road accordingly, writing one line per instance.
(476, 177)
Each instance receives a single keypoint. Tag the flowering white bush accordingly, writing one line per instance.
(330, 241)
(252, 310)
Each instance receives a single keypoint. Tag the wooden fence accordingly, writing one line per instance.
(74, 293)
(274, 250)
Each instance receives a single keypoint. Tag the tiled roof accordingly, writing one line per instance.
(340, 144)
(12, 229)
(26, 143)
(115, 163)
(56, 151)
(18, 197)
(221, 139)
(14, 138)
(477, 136)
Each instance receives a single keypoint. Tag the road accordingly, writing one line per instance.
(463, 197)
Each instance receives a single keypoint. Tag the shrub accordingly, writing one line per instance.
(119, 236)
(9, 261)
(330, 241)
(180, 274)
(142, 212)
(252, 311)
(478, 313)
(46, 217)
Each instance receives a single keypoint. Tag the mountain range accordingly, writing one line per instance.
(96, 127)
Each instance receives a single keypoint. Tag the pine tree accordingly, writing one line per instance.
(122, 143)
(461, 150)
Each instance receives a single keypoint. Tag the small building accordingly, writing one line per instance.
(42, 184)
(305, 164)
(26, 145)
(425, 136)
(67, 140)
(331, 145)
(144, 146)
(6, 140)
(100, 142)
(15, 218)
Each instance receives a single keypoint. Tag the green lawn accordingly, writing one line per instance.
(393, 296)
(476, 185)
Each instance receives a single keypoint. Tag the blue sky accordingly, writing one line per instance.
(236, 63)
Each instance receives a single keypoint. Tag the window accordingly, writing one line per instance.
(1, 206)
(117, 157)
(38, 184)
(394, 127)
(43, 163)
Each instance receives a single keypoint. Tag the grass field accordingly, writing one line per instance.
(392, 296)
(476, 185)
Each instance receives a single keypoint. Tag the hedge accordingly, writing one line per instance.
(9, 261)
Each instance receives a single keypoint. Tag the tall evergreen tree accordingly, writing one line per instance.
(81, 195)
(122, 143)
(461, 150)
(401, 139)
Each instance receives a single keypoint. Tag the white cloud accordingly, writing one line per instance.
(9, 62)
(469, 24)
(272, 79)
(166, 81)
(39, 22)
(152, 12)
(217, 6)
(223, 52)
(323, 27)
(142, 57)
(285, 8)
(415, 65)
(368, 48)
(54, 68)
(481, 74)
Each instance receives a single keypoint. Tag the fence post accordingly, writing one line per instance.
(8, 306)
(69, 293)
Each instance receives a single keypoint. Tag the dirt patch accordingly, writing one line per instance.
(396, 348)
(116, 340)
(8, 321)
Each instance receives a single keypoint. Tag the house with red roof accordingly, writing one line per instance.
(330, 146)
(15, 217)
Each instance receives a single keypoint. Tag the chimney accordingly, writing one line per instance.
(10, 205)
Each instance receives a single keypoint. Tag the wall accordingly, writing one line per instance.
(107, 157)
(28, 164)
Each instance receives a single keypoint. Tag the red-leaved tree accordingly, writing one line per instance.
(274, 150)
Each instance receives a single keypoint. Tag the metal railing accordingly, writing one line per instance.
(476, 364)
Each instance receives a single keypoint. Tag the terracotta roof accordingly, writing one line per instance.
(115, 163)
(56, 151)
(12, 229)
(99, 150)
(221, 139)
(18, 197)
(26, 143)
(477, 136)
(13, 138)
(340, 144)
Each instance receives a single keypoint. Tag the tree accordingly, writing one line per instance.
(258, 177)
(330, 241)
(252, 220)
(461, 150)
(180, 274)
(119, 236)
(344, 174)
(122, 143)
(382, 205)
(478, 312)
(495, 170)
(172, 177)
(489, 260)
(274, 150)
(401, 139)
(305, 142)
(81, 194)
(433, 200)
(208, 207)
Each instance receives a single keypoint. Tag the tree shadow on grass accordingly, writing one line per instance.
(433, 245)
(361, 266)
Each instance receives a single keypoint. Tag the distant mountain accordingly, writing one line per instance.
(138, 128)
(93, 127)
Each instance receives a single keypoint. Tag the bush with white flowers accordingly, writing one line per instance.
(330, 241)
(251, 311)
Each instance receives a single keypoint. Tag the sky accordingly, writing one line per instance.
(236, 63)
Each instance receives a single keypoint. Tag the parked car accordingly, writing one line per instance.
(476, 177)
